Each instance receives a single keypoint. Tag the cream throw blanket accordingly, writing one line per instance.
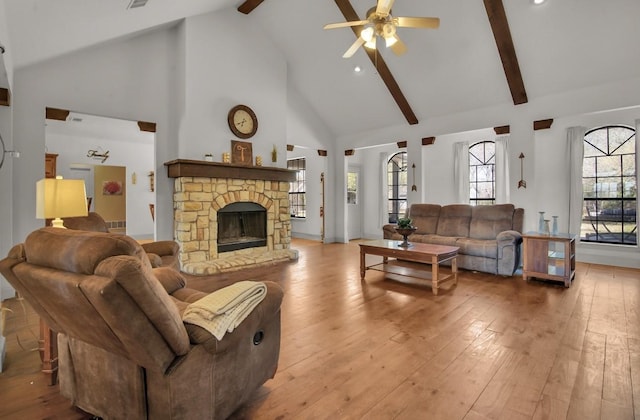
(223, 310)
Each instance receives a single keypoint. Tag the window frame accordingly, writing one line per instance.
(473, 172)
(597, 208)
(394, 200)
(298, 189)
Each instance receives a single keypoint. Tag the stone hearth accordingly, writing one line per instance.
(201, 189)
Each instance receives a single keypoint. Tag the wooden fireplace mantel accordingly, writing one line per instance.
(178, 168)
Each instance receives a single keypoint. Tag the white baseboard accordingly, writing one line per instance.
(305, 236)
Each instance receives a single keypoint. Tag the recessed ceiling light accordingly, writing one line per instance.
(357, 69)
(537, 1)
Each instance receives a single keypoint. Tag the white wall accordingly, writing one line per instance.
(371, 187)
(545, 153)
(184, 78)
(307, 134)
(6, 58)
(135, 153)
(241, 67)
(553, 196)
(6, 178)
(6, 172)
(125, 80)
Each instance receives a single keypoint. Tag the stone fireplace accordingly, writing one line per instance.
(229, 217)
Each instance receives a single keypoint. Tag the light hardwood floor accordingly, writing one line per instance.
(488, 348)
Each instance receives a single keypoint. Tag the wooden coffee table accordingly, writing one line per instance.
(417, 252)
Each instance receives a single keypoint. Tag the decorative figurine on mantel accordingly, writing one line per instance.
(405, 229)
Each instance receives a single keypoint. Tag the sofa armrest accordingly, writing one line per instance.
(161, 248)
(508, 252)
(388, 231)
(260, 316)
(509, 237)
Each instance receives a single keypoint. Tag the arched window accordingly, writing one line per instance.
(609, 186)
(482, 173)
(397, 186)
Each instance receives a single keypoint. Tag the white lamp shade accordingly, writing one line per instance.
(58, 198)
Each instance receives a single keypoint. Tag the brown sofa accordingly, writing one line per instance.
(160, 253)
(489, 237)
(124, 351)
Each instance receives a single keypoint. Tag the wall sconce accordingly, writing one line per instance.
(12, 153)
(96, 155)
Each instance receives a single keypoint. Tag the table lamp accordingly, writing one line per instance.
(57, 198)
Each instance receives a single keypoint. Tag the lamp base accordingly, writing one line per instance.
(58, 223)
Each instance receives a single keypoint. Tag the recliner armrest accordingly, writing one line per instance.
(509, 237)
(170, 279)
(162, 247)
(261, 315)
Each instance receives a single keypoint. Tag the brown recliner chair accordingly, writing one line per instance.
(124, 351)
(161, 253)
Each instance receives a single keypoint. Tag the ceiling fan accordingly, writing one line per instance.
(380, 23)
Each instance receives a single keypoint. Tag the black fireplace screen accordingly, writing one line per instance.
(241, 225)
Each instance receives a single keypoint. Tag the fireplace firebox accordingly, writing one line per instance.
(241, 225)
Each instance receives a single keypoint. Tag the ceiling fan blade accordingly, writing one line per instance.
(384, 7)
(418, 22)
(352, 50)
(345, 24)
(398, 47)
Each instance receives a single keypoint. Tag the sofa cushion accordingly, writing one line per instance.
(434, 239)
(478, 247)
(425, 217)
(454, 220)
(488, 221)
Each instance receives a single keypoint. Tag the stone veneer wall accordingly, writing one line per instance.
(196, 203)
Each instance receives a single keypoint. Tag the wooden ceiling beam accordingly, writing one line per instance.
(56, 114)
(149, 127)
(248, 6)
(5, 97)
(428, 141)
(504, 42)
(378, 62)
(503, 129)
(542, 124)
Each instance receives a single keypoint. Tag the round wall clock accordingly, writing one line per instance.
(242, 121)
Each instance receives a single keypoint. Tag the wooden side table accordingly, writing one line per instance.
(550, 257)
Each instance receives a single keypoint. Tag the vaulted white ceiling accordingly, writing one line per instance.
(562, 45)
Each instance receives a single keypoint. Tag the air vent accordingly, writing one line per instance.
(136, 3)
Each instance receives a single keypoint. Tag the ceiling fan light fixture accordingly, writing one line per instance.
(371, 44)
(390, 41)
(388, 30)
(367, 34)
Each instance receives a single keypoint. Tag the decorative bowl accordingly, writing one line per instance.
(405, 232)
